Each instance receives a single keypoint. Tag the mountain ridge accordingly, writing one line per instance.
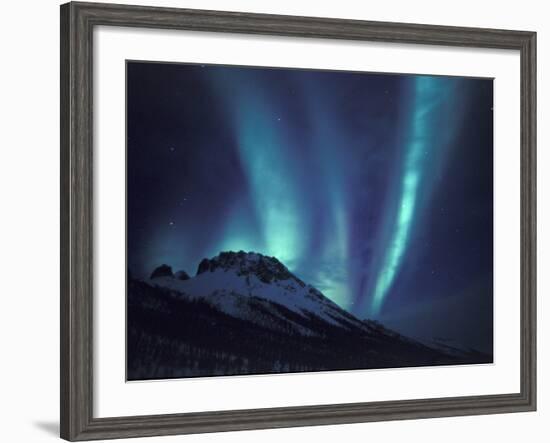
(253, 274)
(246, 313)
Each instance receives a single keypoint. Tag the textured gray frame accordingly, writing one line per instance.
(77, 23)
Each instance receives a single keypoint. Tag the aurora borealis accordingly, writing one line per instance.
(374, 188)
(420, 143)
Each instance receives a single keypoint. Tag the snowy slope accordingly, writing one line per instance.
(245, 313)
(230, 279)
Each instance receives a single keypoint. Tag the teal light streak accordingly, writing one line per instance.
(426, 97)
(266, 159)
(283, 187)
(272, 184)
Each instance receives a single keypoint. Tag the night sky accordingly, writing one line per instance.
(375, 188)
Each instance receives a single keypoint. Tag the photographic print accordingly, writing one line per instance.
(294, 220)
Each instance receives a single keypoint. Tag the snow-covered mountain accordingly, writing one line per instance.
(245, 313)
(231, 280)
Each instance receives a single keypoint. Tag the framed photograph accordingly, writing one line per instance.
(273, 221)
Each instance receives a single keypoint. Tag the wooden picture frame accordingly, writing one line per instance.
(77, 23)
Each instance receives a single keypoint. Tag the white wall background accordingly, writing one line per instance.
(29, 187)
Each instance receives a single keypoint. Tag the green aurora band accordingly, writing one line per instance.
(429, 92)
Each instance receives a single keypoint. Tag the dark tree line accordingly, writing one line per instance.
(171, 336)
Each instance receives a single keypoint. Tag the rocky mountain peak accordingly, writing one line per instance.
(162, 271)
(267, 269)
